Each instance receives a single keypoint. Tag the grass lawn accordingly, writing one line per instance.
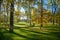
(31, 33)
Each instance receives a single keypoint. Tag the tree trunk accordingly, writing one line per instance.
(0, 10)
(30, 13)
(0, 5)
(42, 13)
(59, 18)
(11, 17)
(55, 7)
(52, 12)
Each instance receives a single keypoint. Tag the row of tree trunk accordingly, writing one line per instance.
(12, 14)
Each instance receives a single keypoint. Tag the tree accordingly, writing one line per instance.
(58, 3)
(29, 3)
(11, 15)
(0, 4)
(0, 7)
(41, 13)
(17, 14)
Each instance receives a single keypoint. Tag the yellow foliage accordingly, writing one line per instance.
(17, 12)
(9, 1)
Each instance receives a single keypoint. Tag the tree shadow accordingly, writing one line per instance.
(33, 36)
(52, 28)
(24, 30)
(56, 34)
(3, 35)
(39, 35)
(27, 37)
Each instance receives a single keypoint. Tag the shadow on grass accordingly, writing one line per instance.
(28, 38)
(4, 35)
(56, 34)
(38, 35)
(27, 29)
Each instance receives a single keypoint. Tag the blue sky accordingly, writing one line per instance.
(45, 6)
(22, 9)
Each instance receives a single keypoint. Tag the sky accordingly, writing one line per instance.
(22, 9)
(44, 5)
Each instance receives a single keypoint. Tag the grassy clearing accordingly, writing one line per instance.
(31, 33)
(50, 32)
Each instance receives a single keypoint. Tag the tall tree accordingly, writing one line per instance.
(41, 13)
(29, 2)
(0, 8)
(0, 5)
(58, 3)
(54, 9)
(11, 15)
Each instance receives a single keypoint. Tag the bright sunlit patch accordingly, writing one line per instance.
(24, 18)
(22, 10)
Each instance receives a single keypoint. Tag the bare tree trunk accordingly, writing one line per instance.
(11, 17)
(42, 13)
(59, 20)
(0, 10)
(0, 5)
(30, 13)
(55, 7)
(52, 12)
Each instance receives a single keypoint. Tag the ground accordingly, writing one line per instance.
(22, 32)
(31, 33)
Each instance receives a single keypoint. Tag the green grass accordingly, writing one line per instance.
(26, 24)
(31, 33)
(48, 32)
(21, 24)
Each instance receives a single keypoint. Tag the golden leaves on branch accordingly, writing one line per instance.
(17, 12)
(10, 1)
